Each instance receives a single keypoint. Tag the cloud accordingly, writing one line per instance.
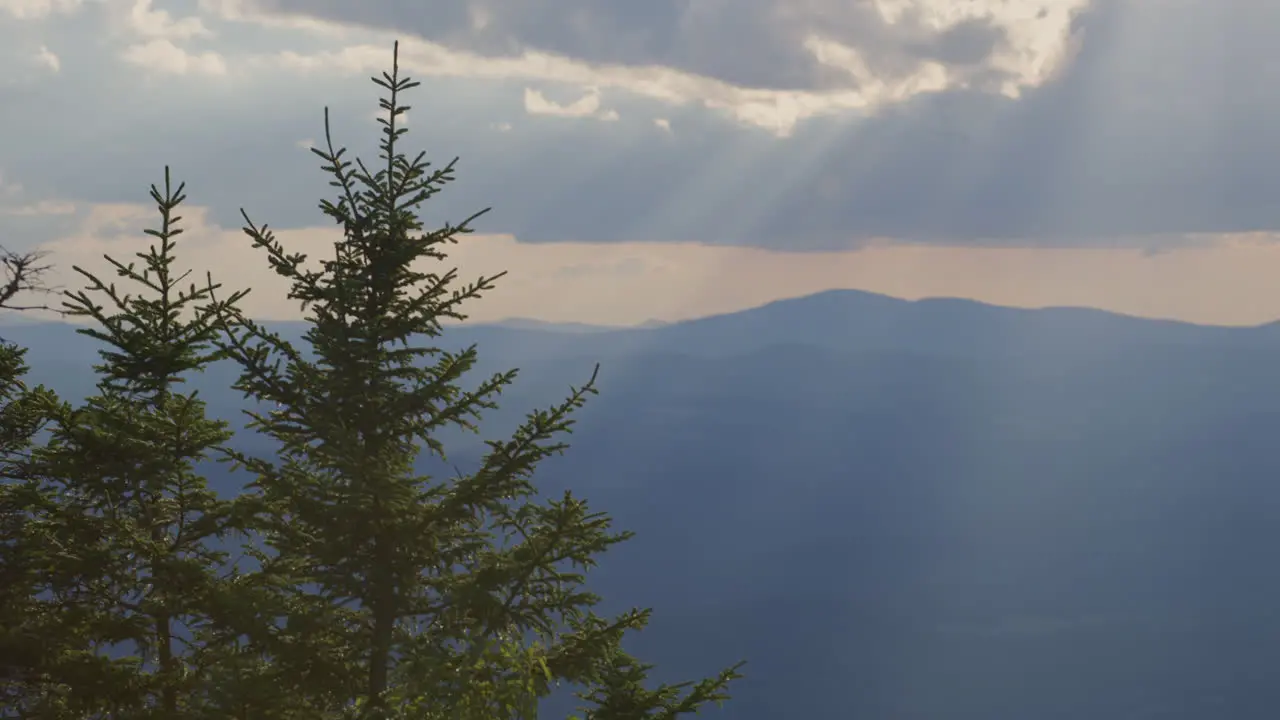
(1214, 280)
(15, 203)
(763, 44)
(245, 14)
(160, 34)
(45, 57)
(149, 22)
(587, 106)
(163, 56)
(777, 112)
(39, 209)
(803, 125)
(38, 9)
(27, 223)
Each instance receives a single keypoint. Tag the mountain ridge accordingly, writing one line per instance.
(830, 486)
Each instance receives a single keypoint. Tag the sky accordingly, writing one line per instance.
(669, 159)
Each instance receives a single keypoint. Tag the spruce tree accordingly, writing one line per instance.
(382, 592)
(119, 539)
(23, 414)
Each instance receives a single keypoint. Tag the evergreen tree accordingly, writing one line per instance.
(23, 414)
(377, 592)
(381, 592)
(119, 535)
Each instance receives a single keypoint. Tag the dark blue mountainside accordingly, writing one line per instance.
(937, 509)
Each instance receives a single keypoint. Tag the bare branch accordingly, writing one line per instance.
(23, 273)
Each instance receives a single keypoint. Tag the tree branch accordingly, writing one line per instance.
(23, 272)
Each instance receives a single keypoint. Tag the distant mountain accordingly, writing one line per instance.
(935, 509)
(855, 321)
(532, 324)
(571, 327)
(15, 317)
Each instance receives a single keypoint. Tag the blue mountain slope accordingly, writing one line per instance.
(918, 510)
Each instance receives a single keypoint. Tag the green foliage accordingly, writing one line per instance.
(116, 525)
(373, 591)
(23, 414)
(403, 595)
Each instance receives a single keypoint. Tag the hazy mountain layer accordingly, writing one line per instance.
(936, 510)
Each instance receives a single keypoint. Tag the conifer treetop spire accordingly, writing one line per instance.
(411, 595)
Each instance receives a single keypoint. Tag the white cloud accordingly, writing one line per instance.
(768, 63)
(776, 111)
(162, 56)
(148, 22)
(501, 126)
(535, 103)
(662, 124)
(928, 77)
(38, 9)
(1037, 40)
(402, 120)
(245, 12)
(48, 59)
